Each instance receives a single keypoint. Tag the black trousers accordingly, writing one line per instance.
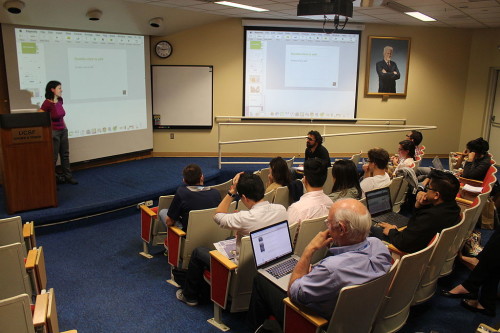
(486, 275)
(266, 300)
(60, 143)
(200, 260)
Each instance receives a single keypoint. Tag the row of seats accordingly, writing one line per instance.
(25, 305)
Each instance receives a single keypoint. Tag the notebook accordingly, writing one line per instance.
(273, 253)
(380, 207)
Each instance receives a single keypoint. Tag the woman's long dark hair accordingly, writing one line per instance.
(409, 146)
(280, 172)
(346, 176)
(48, 89)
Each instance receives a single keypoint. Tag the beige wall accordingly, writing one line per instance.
(438, 89)
(484, 55)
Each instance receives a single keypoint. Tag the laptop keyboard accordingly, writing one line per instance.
(283, 268)
(392, 218)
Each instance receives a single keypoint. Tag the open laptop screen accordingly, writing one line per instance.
(271, 243)
(379, 201)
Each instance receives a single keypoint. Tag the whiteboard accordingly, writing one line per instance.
(182, 96)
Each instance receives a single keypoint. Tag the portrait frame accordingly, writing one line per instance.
(383, 85)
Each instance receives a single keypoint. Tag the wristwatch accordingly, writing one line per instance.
(231, 195)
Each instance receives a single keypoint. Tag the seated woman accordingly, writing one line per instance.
(478, 160)
(345, 180)
(280, 174)
(406, 155)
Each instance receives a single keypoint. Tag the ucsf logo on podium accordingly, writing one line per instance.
(28, 134)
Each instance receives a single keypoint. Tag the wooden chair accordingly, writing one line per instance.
(307, 230)
(467, 216)
(21, 274)
(153, 231)
(282, 196)
(328, 185)
(395, 308)
(355, 310)
(12, 231)
(201, 231)
(230, 281)
(428, 283)
(15, 314)
(223, 188)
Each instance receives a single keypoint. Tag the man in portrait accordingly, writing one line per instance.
(388, 72)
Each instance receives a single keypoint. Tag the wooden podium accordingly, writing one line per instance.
(27, 161)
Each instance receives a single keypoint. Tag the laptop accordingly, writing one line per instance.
(436, 163)
(380, 207)
(273, 253)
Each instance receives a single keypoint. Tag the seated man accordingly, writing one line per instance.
(375, 175)
(315, 148)
(314, 203)
(478, 160)
(436, 210)
(353, 259)
(192, 196)
(260, 214)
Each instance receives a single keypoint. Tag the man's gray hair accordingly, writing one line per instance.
(358, 225)
(388, 48)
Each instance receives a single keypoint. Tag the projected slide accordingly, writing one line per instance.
(300, 74)
(102, 77)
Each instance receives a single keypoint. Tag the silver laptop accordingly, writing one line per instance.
(380, 207)
(436, 163)
(273, 253)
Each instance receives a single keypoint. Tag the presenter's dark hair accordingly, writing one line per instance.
(51, 85)
(280, 172)
(409, 146)
(346, 176)
(317, 136)
(251, 186)
(479, 146)
(379, 156)
(416, 137)
(315, 171)
(192, 174)
(445, 183)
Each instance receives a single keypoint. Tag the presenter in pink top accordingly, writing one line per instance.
(54, 105)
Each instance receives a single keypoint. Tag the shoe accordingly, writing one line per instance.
(71, 181)
(180, 296)
(446, 293)
(471, 308)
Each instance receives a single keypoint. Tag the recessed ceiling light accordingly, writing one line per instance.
(420, 16)
(238, 5)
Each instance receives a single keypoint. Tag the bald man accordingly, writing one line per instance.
(352, 259)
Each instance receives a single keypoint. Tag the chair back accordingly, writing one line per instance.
(14, 279)
(428, 283)
(396, 305)
(327, 186)
(223, 188)
(282, 196)
(160, 229)
(394, 187)
(400, 198)
(355, 158)
(418, 160)
(290, 162)
(241, 283)
(269, 196)
(307, 230)
(264, 175)
(357, 306)
(293, 231)
(201, 231)
(11, 231)
(15, 314)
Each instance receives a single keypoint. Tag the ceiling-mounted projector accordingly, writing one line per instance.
(321, 8)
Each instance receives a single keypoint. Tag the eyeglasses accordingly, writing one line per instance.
(309, 139)
(428, 188)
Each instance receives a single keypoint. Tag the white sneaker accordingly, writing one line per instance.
(180, 296)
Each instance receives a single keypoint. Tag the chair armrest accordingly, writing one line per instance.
(30, 260)
(226, 262)
(471, 182)
(148, 211)
(297, 320)
(174, 241)
(40, 313)
(29, 234)
(463, 201)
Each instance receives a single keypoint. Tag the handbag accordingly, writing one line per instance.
(472, 245)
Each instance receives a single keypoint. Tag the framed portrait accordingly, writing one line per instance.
(387, 66)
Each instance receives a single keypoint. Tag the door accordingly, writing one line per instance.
(494, 126)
